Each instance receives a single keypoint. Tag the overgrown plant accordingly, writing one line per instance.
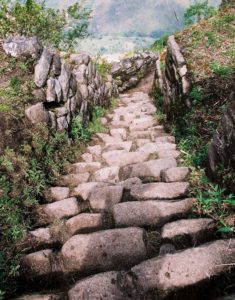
(54, 27)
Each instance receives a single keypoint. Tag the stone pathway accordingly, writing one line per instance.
(120, 225)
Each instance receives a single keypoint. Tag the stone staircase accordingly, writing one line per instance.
(121, 225)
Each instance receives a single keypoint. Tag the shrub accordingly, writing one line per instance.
(198, 11)
(53, 27)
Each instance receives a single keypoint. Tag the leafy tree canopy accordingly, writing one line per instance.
(57, 28)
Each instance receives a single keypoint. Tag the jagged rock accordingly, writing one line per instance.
(51, 93)
(104, 198)
(191, 231)
(62, 124)
(58, 90)
(150, 213)
(184, 269)
(175, 174)
(61, 111)
(160, 190)
(37, 114)
(56, 193)
(102, 286)
(42, 68)
(150, 170)
(56, 65)
(104, 251)
(20, 46)
(64, 80)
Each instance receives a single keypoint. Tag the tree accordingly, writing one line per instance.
(198, 11)
(57, 28)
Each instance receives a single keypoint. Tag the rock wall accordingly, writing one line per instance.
(174, 83)
(222, 147)
(129, 71)
(65, 86)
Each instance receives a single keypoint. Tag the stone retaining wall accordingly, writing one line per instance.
(129, 71)
(173, 83)
(65, 86)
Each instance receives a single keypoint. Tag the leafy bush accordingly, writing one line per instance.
(198, 11)
(53, 27)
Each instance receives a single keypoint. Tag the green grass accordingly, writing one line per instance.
(221, 70)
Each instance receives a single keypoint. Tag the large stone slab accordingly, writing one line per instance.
(84, 167)
(56, 193)
(104, 251)
(184, 269)
(148, 170)
(160, 190)
(150, 213)
(105, 198)
(102, 286)
(189, 232)
(42, 68)
(124, 159)
(152, 148)
(175, 174)
(118, 146)
(84, 190)
(73, 179)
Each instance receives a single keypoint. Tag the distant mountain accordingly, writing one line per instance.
(138, 19)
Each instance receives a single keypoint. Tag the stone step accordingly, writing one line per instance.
(118, 146)
(150, 213)
(101, 286)
(186, 233)
(88, 253)
(175, 174)
(56, 194)
(72, 180)
(84, 190)
(173, 273)
(159, 190)
(153, 148)
(119, 133)
(60, 233)
(106, 138)
(49, 213)
(43, 297)
(150, 170)
(104, 198)
(104, 251)
(109, 174)
(122, 159)
(84, 167)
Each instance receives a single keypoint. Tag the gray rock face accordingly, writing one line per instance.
(104, 251)
(51, 93)
(20, 46)
(56, 194)
(42, 68)
(102, 286)
(64, 80)
(37, 114)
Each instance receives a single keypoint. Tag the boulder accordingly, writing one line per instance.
(37, 114)
(21, 46)
(56, 194)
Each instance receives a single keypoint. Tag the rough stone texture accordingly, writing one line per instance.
(18, 46)
(84, 190)
(193, 231)
(129, 71)
(37, 113)
(58, 210)
(175, 174)
(109, 174)
(105, 197)
(102, 286)
(185, 269)
(104, 251)
(160, 190)
(42, 68)
(118, 146)
(85, 167)
(124, 159)
(56, 193)
(37, 263)
(41, 297)
(84, 223)
(222, 147)
(150, 213)
(130, 182)
(74, 179)
(150, 169)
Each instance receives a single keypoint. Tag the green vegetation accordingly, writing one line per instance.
(221, 70)
(52, 26)
(103, 67)
(160, 44)
(198, 11)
